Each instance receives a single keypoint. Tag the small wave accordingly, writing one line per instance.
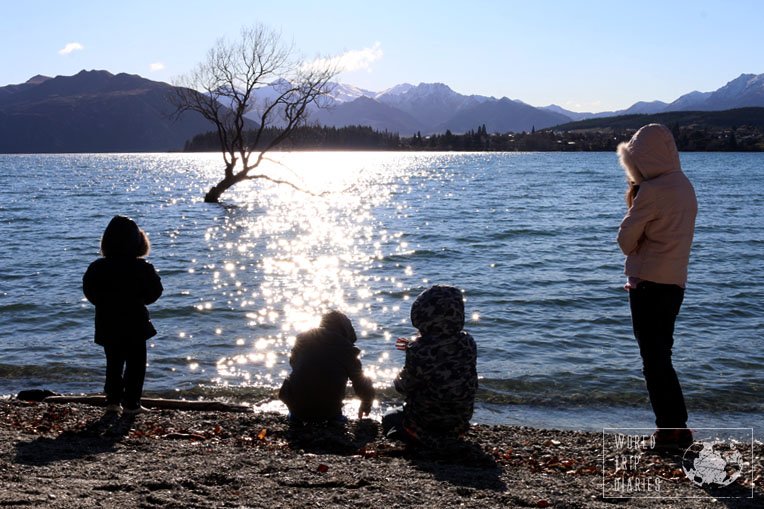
(515, 233)
(419, 254)
(17, 307)
(246, 394)
(574, 390)
(52, 372)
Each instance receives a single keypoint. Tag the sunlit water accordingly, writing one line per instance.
(528, 237)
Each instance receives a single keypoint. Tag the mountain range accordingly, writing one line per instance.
(93, 111)
(97, 111)
(747, 90)
(434, 107)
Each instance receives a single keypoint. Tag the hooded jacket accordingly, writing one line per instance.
(439, 379)
(657, 231)
(120, 288)
(322, 360)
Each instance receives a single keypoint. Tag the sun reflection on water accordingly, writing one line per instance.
(285, 257)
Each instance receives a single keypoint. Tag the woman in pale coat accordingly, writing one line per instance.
(656, 235)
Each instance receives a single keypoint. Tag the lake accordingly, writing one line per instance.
(529, 237)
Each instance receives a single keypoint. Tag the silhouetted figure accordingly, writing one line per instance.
(439, 378)
(323, 360)
(120, 285)
(656, 236)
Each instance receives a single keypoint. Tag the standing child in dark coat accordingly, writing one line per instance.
(439, 379)
(120, 285)
(322, 360)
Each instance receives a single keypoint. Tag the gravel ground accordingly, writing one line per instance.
(73, 456)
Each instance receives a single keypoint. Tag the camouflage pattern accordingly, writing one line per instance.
(439, 379)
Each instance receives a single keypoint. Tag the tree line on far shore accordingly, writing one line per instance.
(688, 138)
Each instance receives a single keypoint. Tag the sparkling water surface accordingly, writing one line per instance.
(529, 237)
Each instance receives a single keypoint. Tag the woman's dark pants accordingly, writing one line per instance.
(125, 372)
(654, 308)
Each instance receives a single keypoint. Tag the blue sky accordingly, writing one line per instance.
(582, 55)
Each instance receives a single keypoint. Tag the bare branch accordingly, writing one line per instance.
(224, 89)
(286, 183)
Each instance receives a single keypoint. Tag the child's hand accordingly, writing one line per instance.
(402, 344)
(364, 409)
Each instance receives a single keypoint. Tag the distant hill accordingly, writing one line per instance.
(436, 107)
(432, 104)
(92, 111)
(367, 112)
(97, 111)
(745, 91)
(728, 119)
(427, 108)
(502, 116)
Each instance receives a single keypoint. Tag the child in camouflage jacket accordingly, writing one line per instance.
(439, 378)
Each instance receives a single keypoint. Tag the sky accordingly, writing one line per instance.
(582, 55)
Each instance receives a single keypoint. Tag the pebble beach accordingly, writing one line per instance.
(73, 455)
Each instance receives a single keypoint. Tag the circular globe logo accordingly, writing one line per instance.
(712, 464)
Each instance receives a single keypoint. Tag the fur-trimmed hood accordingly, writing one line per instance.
(653, 152)
(656, 233)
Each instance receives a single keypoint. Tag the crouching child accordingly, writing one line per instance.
(439, 378)
(323, 360)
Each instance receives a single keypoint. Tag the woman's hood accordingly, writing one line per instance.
(438, 311)
(653, 151)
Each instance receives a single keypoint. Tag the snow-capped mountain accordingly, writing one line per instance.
(396, 90)
(343, 93)
(747, 90)
(744, 91)
(687, 102)
(434, 107)
(430, 103)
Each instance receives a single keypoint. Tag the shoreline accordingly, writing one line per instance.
(70, 455)
(592, 418)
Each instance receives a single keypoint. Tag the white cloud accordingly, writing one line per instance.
(582, 106)
(156, 66)
(71, 46)
(353, 60)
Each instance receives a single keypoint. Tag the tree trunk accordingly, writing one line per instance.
(213, 195)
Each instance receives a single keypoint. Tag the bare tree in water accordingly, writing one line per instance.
(223, 89)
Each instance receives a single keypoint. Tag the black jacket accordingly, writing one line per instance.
(121, 288)
(322, 360)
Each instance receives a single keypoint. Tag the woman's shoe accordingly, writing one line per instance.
(673, 439)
